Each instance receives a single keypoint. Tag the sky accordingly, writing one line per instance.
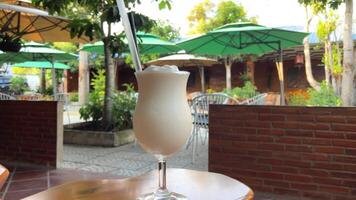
(274, 13)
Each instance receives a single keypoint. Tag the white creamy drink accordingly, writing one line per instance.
(162, 120)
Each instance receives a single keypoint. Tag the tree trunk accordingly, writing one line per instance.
(54, 82)
(43, 81)
(228, 72)
(328, 65)
(83, 81)
(348, 69)
(308, 67)
(333, 75)
(109, 86)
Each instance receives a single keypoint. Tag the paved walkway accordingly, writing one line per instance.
(128, 160)
(71, 114)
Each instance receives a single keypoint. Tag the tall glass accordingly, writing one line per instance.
(162, 121)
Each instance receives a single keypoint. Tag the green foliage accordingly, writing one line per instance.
(94, 108)
(206, 16)
(322, 3)
(25, 71)
(297, 100)
(165, 30)
(66, 47)
(244, 77)
(324, 97)
(73, 97)
(327, 25)
(124, 104)
(245, 92)
(18, 85)
(88, 17)
(48, 91)
(337, 57)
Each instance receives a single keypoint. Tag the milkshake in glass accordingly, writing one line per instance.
(162, 120)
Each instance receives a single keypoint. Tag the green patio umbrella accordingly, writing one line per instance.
(146, 42)
(244, 38)
(41, 64)
(33, 51)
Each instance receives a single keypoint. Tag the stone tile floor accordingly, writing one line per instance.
(132, 160)
(84, 163)
(128, 160)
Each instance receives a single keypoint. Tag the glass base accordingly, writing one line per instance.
(162, 195)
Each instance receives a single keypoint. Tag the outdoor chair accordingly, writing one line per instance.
(6, 97)
(200, 114)
(256, 100)
(4, 173)
(64, 98)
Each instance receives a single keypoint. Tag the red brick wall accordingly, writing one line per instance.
(72, 81)
(299, 151)
(29, 132)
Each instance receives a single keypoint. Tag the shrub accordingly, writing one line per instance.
(297, 97)
(210, 91)
(94, 108)
(124, 103)
(324, 97)
(73, 97)
(18, 85)
(49, 91)
(297, 100)
(245, 92)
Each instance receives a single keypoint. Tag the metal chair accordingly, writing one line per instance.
(256, 100)
(6, 97)
(200, 113)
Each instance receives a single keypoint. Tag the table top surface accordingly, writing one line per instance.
(192, 184)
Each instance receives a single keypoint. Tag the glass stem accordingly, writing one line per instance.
(162, 175)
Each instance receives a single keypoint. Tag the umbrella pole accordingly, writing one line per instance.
(202, 78)
(279, 65)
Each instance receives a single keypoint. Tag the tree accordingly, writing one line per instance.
(311, 7)
(206, 16)
(165, 30)
(96, 22)
(326, 26)
(348, 71)
(347, 89)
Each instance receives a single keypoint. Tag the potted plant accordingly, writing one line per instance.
(93, 131)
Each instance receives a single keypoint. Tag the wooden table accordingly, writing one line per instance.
(4, 173)
(193, 184)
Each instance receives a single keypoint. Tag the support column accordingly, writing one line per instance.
(83, 79)
(65, 81)
(228, 72)
(202, 78)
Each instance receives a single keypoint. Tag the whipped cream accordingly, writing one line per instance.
(165, 68)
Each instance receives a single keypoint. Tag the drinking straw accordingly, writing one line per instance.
(129, 35)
